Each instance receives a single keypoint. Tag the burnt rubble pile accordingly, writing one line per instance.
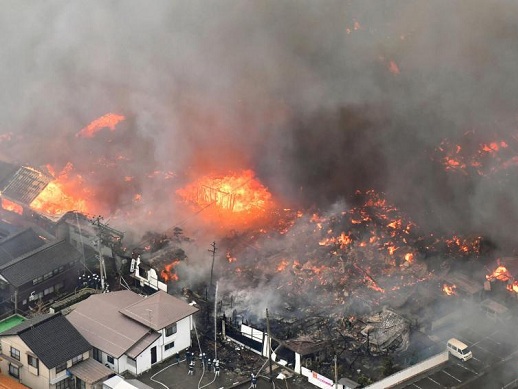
(352, 262)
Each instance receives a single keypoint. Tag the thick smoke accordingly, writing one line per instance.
(320, 99)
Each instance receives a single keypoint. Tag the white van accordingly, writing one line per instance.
(459, 349)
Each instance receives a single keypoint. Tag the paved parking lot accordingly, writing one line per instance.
(492, 344)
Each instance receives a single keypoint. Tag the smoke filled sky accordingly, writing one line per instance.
(319, 98)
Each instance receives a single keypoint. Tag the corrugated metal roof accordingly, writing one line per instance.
(142, 344)
(159, 310)
(25, 185)
(91, 371)
(98, 319)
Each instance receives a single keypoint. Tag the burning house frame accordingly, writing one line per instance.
(21, 185)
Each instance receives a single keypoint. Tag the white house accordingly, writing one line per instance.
(131, 332)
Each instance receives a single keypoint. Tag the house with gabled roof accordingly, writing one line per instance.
(38, 275)
(131, 332)
(46, 351)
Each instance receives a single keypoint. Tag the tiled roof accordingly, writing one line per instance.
(159, 310)
(52, 339)
(18, 244)
(38, 262)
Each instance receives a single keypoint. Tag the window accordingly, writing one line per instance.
(48, 275)
(32, 361)
(65, 384)
(170, 330)
(168, 346)
(15, 353)
(37, 280)
(97, 355)
(60, 368)
(142, 272)
(77, 359)
(110, 359)
(58, 286)
(80, 384)
(14, 371)
(131, 362)
(48, 290)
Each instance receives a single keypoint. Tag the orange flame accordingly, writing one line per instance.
(513, 287)
(66, 193)
(282, 265)
(230, 258)
(449, 290)
(11, 206)
(501, 273)
(168, 273)
(110, 120)
(236, 197)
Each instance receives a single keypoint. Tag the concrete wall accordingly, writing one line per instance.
(410, 372)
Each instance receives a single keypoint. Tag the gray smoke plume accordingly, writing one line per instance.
(320, 99)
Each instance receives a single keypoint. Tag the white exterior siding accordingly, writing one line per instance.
(181, 339)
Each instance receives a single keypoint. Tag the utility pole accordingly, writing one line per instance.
(269, 346)
(213, 251)
(336, 372)
(102, 267)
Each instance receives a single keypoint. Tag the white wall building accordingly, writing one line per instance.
(130, 332)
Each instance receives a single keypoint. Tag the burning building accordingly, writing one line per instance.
(343, 158)
(21, 185)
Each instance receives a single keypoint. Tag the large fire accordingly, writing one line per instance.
(168, 273)
(66, 193)
(501, 273)
(239, 196)
(110, 120)
(482, 158)
(11, 206)
(371, 253)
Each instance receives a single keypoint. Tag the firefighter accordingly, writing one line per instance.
(191, 368)
(253, 380)
(216, 367)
